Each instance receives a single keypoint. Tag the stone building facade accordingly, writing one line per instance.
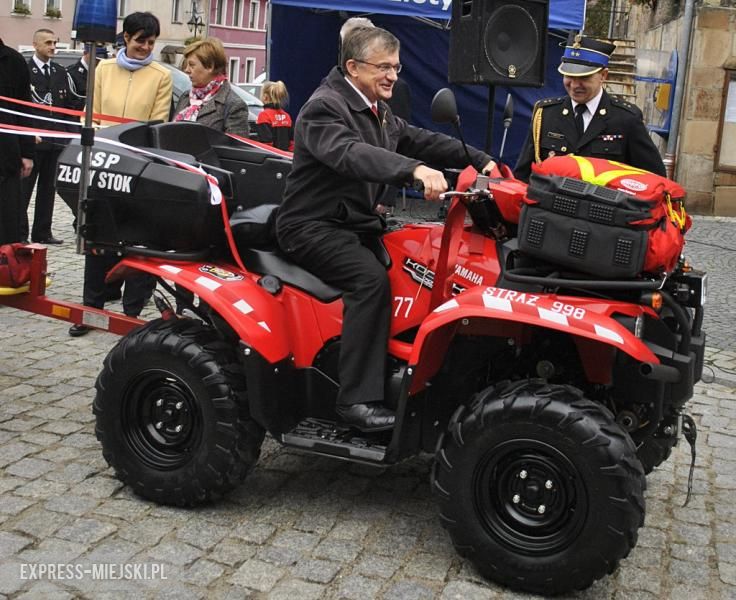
(706, 154)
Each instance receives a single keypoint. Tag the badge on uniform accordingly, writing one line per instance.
(611, 137)
(556, 136)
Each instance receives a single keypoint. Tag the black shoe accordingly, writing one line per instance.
(79, 330)
(373, 416)
(51, 240)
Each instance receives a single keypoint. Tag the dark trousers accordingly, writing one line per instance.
(340, 259)
(137, 291)
(10, 210)
(44, 171)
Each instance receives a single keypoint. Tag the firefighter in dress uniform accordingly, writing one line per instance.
(49, 86)
(588, 121)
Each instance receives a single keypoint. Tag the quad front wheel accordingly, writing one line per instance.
(172, 413)
(540, 488)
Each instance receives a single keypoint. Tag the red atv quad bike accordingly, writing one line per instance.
(544, 396)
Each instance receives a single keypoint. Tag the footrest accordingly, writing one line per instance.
(326, 437)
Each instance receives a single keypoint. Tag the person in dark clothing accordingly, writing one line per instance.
(16, 151)
(77, 76)
(274, 125)
(49, 86)
(347, 147)
(588, 121)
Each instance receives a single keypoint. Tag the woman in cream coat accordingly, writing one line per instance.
(132, 85)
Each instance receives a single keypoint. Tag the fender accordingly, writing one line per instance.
(250, 310)
(584, 318)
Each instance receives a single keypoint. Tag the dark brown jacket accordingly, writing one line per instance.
(344, 156)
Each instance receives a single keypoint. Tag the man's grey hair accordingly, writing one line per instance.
(359, 43)
(352, 23)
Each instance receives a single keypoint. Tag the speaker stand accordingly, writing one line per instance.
(489, 117)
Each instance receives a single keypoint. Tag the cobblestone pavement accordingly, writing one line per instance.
(307, 527)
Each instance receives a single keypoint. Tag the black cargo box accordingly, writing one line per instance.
(584, 227)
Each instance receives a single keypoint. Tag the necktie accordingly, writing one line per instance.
(579, 112)
(374, 109)
(46, 73)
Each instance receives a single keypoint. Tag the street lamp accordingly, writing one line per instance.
(195, 22)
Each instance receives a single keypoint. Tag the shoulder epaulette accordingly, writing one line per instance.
(549, 102)
(632, 108)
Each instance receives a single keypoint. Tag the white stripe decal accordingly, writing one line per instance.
(170, 269)
(210, 284)
(555, 317)
(449, 305)
(497, 303)
(264, 325)
(604, 332)
(243, 307)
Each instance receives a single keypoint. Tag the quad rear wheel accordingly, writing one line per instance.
(539, 487)
(172, 413)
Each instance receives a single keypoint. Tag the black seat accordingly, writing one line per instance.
(185, 136)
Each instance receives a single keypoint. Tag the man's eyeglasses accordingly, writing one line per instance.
(383, 67)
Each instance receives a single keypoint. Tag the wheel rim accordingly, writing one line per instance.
(161, 419)
(530, 497)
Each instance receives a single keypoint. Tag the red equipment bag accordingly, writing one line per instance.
(15, 265)
(664, 218)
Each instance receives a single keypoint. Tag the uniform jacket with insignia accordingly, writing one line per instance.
(51, 92)
(77, 84)
(616, 132)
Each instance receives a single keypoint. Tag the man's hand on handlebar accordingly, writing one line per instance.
(489, 167)
(433, 181)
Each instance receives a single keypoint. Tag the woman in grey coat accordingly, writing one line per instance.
(211, 101)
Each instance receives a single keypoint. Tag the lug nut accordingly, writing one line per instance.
(159, 425)
(541, 508)
(160, 402)
(179, 405)
(178, 428)
(523, 474)
(516, 499)
(548, 484)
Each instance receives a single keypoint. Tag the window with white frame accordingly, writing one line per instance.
(219, 11)
(253, 14)
(250, 69)
(21, 6)
(122, 9)
(234, 70)
(237, 13)
(176, 11)
(726, 160)
(52, 6)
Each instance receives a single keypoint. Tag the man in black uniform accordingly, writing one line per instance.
(49, 86)
(347, 147)
(77, 74)
(16, 151)
(588, 122)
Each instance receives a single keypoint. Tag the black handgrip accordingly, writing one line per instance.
(418, 186)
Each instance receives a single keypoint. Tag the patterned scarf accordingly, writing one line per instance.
(132, 64)
(198, 96)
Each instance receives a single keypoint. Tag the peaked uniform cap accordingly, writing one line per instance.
(584, 56)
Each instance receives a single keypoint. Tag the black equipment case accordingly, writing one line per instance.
(584, 227)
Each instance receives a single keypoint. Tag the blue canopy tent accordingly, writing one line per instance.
(303, 46)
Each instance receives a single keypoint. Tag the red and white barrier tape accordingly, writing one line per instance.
(80, 113)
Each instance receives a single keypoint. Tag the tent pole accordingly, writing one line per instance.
(489, 117)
